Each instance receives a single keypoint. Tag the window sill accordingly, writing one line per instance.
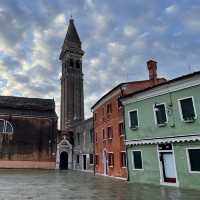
(134, 128)
(121, 136)
(111, 166)
(189, 120)
(138, 169)
(162, 125)
(124, 167)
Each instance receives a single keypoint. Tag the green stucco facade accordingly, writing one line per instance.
(148, 129)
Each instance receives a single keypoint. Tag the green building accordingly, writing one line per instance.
(162, 126)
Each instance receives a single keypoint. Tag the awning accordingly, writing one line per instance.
(159, 140)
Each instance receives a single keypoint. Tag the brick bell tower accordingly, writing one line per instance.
(72, 101)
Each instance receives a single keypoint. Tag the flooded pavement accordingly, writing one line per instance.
(72, 185)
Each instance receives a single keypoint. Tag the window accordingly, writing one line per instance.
(187, 110)
(91, 136)
(78, 138)
(137, 160)
(119, 103)
(71, 62)
(133, 119)
(104, 135)
(121, 129)
(78, 64)
(91, 159)
(6, 127)
(96, 159)
(194, 159)
(110, 159)
(109, 132)
(160, 114)
(103, 112)
(123, 159)
(109, 108)
(77, 158)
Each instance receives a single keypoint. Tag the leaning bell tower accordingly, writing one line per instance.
(72, 101)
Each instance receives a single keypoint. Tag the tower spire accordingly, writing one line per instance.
(72, 38)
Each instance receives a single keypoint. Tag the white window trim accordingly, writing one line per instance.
(180, 109)
(133, 160)
(129, 119)
(155, 118)
(188, 160)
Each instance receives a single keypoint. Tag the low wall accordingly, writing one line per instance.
(27, 164)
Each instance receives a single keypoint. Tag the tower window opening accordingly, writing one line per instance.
(78, 64)
(71, 62)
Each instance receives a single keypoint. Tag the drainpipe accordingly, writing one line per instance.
(124, 130)
(94, 140)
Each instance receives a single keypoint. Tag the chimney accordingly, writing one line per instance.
(152, 67)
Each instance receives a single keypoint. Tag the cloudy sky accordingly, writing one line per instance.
(118, 37)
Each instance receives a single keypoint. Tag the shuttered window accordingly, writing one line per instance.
(194, 159)
(187, 109)
(133, 117)
(110, 159)
(123, 158)
(109, 132)
(137, 160)
(160, 114)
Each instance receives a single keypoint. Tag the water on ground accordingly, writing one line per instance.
(72, 185)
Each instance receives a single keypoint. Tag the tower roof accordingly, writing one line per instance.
(72, 34)
(72, 39)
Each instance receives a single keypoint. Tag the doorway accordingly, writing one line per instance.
(84, 162)
(167, 164)
(105, 161)
(63, 161)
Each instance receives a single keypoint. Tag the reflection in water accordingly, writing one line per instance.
(71, 185)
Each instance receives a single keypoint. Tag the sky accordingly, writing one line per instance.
(118, 37)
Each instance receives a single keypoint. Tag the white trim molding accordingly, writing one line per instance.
(167, 139)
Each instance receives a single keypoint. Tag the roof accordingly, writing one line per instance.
(119, 86)
(72, 39)
(161, 84)
(27, 104)
(72, 34)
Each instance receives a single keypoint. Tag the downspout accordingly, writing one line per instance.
(94, 139)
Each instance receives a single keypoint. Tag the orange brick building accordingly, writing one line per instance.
(108, 125)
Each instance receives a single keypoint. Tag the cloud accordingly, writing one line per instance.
(118, 38)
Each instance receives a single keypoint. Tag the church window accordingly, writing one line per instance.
(5, 126)
(71, 62)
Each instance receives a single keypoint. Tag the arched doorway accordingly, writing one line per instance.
(63, 160)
